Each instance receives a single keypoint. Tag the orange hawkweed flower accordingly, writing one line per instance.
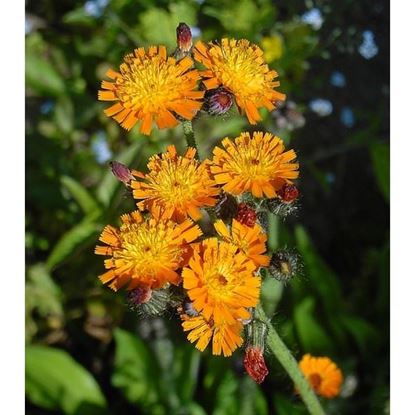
(250, 240)
(239, 67)
(151, 86)
(145, 252)
(176, 185)
(256, 164)
(220, 282)
(226, 337)
(322, 374)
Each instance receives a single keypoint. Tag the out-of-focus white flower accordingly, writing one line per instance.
(368, 48)
(338, 79)
(95, 8)
(313, 17)
(288, 117)
(321, 107)
(100, 148)
(196, 32)
(349, 386)
(347, 117)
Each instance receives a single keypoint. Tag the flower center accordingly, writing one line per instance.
(315, 380)
(145, 247)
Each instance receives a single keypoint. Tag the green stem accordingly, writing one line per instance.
(190, 135)
(284, 356)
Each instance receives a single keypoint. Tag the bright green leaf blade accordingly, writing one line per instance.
(321, 278)
(42, 77)
(312, 336)
(84, 199)
(380, 154)
(54, 380)
(71, 241)
(135, 370)
(109, 184)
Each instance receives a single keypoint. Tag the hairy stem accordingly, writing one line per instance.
(284, 356)
(190, 135)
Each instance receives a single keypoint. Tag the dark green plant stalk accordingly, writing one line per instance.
(284, 356)
(190, 135)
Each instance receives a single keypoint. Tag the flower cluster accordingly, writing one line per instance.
(197, 242)
(160, 244)
(151, 86)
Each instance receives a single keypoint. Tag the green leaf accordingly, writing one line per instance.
(71, 241)
(362, 331)
(135, 370)
(41, 76)
(321, 278)
(109, 184)
(380, 154)
(84, 199)
(187, 362)
(286, 406)
(78, 17)
(312, 336)
(54, 380)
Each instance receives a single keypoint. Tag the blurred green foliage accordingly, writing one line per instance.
(86, 352)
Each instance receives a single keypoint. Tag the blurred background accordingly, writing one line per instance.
(87, 353)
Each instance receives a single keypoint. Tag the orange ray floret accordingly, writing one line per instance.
(226, 337)
(178, 186)
(322, 374)
(250, 240)
(150, 86)
(145, 252)
(220, 282)
(239, 67)
(256, 164)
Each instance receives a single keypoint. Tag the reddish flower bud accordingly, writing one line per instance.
(246, 215)
(121, 172)
(288, 193)
(255, 364)
(184, 38)
(139, 296)
(218, 101)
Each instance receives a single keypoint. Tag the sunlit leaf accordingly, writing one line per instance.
(54, 380)
(71, 241)
(380, 154)
(84, 199)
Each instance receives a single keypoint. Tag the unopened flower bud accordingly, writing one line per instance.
(288, 193)
(254, 362)
(246, 215)
(147, 302)
(226, 207)
(184, 41)
(284, 265)
(218, 101)
(121, 172)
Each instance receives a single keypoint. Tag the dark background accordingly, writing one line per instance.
(86, 352)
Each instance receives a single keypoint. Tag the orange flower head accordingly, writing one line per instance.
(220, 282)
(256, 164)
(322, 374)
(239, 67)
(226, 337)
(150, 86)
(145, 252)
(249, 240)
(176, 185)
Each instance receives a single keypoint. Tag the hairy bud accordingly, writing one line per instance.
(148, 303)
(284, 265)
(184, 41)
(288, 193)
(254, 362)
(218, 101)
(246, 215)
(121, 172)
